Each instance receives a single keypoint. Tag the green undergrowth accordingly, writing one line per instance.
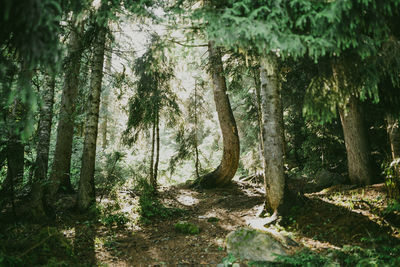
(379, 251)
(47, 247)
(110, 215)
(117, 219)
(347, 256)
(151, 208)
(393, 206)
(186, 228)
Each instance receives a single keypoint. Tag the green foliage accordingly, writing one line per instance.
(186, 228)
(392, 178)
(228, 261)
(109, 214)
(8, 260)
(393, 206)
(110, 173)
(356, 256)
(150, 207)
(347, 256)
(212, 219)
(304, 257)
(153, 95)
(48, 247)
(298, 27)
(118, 219)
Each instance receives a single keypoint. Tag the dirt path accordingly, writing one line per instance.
(159, 244)
(329, 219)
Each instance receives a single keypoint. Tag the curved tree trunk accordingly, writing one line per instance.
(60, 173)
(86, 190)
(355, 138)
(42, 159)
(224, 173)
(272, 130)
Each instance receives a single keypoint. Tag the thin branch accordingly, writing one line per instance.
(187, 45)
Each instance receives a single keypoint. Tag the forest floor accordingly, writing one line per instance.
(328, 220)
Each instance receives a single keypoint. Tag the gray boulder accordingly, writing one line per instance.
(254, 245)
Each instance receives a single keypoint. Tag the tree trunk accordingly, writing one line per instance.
(226, 170)
(153, 141)
(43, 146)
(60, 173)
(86, 190)
(355, 138)
(393, 131)
(155, 183)
(259, 115)
(196, 145)
(104, 102)
(15, 147)
(272, 129)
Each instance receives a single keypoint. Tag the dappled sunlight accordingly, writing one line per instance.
(317, 245)
(187, 198)
(367, 202)
(148, 133)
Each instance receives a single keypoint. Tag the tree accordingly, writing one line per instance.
(153, 98)
(355, 136)
(30, 33)
(104, 102)
(86, 189)
(393, 131)
(43, 146)
(272, 130)
(354, 130)
(224, 173)
(60, 173)
(15, 145)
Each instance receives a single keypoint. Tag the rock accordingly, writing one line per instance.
(254, 245)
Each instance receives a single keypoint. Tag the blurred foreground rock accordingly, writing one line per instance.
(254, 245)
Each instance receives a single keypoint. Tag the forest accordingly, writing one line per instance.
(199, 133)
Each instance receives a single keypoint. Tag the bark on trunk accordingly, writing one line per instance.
(14, 146)
(43, 146)
(357, 148)
(60, 173)
(195, 134)
(272, 129)
(153, 141)
(259, 115)
(224, 173)
(393, 131)
(86, 190)
(104, 103)
(155, 183)
(15, 164)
